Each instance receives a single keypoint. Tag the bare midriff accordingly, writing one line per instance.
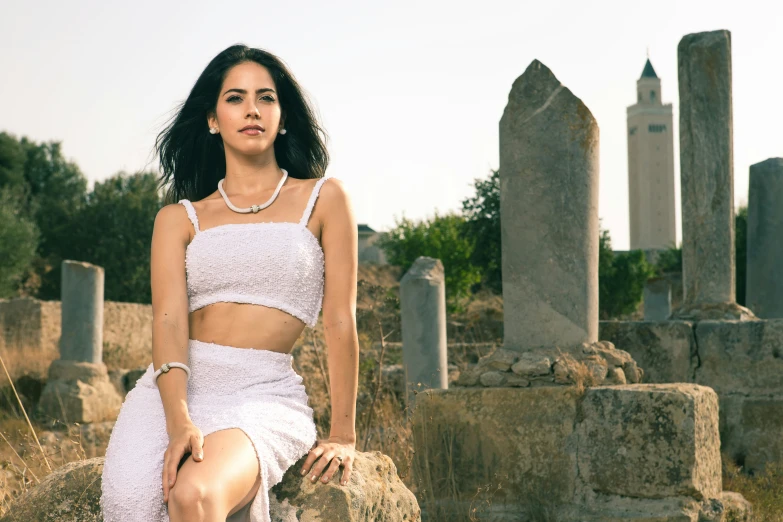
(245, 326)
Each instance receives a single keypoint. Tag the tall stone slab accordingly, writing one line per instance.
(549, 214)
(423, 307)
(707, 178)
(764, 290)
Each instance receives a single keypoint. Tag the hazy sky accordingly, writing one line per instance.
(410, 92)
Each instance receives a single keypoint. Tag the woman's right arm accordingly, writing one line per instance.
(170, 236)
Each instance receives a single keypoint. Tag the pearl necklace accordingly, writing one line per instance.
(255, 208)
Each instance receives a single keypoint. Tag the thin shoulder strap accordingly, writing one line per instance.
(191, 213)
(311, 202)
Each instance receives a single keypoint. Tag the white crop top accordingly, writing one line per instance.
(275, 264)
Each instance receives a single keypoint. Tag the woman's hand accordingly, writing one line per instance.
(186, 437)
(329, 453)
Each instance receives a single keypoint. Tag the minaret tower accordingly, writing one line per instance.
(651, 166)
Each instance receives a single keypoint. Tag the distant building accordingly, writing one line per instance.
(368, 252)
(650, 166)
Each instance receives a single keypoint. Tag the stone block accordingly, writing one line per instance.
(522, 438)
(665, 350)
(651, 441)
(740, 357)
(78, 392)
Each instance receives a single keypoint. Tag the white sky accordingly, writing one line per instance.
(410, 92)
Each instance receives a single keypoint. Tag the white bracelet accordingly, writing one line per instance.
(168, 366)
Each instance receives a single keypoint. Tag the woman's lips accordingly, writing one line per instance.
(252, 132)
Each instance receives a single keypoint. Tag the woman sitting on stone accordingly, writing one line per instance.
(239, 266)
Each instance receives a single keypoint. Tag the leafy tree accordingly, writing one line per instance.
(669, 260)
(621, 278)
(442, 237)
(12, 158)
(482, 212)
(114, 230)
(18, 241)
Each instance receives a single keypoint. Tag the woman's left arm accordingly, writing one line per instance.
(339, 238)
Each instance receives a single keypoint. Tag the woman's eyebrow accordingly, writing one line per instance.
(243, 91)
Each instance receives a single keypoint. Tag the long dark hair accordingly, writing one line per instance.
(192, 160)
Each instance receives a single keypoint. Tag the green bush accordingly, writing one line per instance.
(442, 237)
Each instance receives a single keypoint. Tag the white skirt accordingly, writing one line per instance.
(255, 390)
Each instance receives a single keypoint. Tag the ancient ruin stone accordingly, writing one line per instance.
(587, 364)
(549, 214)
(374, 493)
(764, 292)
(707, 179)
(78, 392)
(628, 441)
(423, 317)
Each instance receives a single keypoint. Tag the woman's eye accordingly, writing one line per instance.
(233, 98)
(269, 98)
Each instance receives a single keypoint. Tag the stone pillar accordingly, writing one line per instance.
(78, 388)
(549, 214)
(707, 178)
(549, 236)
(423, 307)
(764, 291)
(82, 312)
(657, 299)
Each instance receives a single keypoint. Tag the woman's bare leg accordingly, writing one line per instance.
(221, 484)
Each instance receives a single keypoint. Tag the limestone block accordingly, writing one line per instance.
(522, 438)
(651, 441)
(78, 392)
(375, 492)
(741, 357)
(762, 425)
(665, 350)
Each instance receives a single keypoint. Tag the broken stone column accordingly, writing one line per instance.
(707, 179)
(657, 299)
(78, 388)
(764, 291)
(549, 237)
(423, 307)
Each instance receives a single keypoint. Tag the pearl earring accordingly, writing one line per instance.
(213, 130)
(282, 131)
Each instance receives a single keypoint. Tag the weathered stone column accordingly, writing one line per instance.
(657, 299)
(423, 306)
(549, 214)
(549, 236)
(707, 178)
(78, 388)
(82, 312)
(764, 290)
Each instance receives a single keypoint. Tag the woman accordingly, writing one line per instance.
(204, 438)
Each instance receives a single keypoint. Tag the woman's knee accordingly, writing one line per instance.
(195, 499)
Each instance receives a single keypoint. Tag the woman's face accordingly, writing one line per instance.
(247, 97)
